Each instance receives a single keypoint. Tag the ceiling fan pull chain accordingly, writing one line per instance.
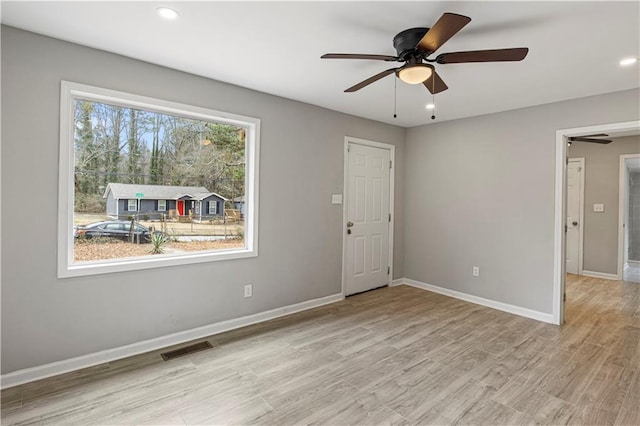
(395, 97)
(433, 97)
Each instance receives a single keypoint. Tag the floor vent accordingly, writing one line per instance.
(197, 347)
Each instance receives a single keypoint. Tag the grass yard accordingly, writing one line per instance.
(88, 250)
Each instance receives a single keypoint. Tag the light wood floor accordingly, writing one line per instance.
(393, 356)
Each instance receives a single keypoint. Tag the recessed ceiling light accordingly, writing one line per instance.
(430, 106)
(628, 61)
(167, 13)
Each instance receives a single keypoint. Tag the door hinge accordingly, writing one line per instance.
(567, 160)
(389, 217)
(388, 270)
(390, 164)
(565, 297)
(348, 148)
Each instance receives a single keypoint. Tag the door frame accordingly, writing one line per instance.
(559, 240)
(392, 151)
(623, 208)
(581, 161)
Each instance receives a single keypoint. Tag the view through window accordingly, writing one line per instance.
(147, 183)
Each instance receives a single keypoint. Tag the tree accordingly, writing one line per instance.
(156, 166)
(88, 156)
(134, 168)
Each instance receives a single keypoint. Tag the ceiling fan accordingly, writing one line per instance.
(415, 45)
(590, 138)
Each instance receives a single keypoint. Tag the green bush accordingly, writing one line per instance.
(89, 203)
(158, 241)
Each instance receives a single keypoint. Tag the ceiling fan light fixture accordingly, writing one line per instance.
(415, 74)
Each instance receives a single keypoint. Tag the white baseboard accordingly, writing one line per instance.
(633, 263)
(600, 275)
(512, 309)
(60, 367)
(397, 281)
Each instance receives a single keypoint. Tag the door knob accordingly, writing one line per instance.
(349, 224)
(574, 223)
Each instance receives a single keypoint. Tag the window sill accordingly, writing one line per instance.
(149, 262)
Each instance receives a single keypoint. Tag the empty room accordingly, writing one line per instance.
(309, 212)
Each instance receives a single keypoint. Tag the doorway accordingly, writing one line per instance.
(560, 215)
(629, 218)
(367, 215)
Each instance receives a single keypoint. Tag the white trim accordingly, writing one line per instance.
(60, 367)
(560, 205)
(623, 207)
(633, 263)
(392, 152)
(602, 275)
(581, 162)
(505, 307)
(397, 281)
(68, 93)
(164, 207)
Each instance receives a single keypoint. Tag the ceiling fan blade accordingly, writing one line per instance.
(435, 84)
(446, 27)
(495, 55)
(358, 56)
(582, 139)
(371, 79)
(591, 136)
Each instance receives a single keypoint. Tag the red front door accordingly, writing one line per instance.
(181, 207)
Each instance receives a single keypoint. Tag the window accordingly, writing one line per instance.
(114, 227)
(119, 152)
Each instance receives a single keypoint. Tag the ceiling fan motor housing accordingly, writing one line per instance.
(405, 42)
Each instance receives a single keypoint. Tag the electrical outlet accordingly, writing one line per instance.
(476, 271)
(248, 290)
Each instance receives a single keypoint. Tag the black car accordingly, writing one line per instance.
(115, 229)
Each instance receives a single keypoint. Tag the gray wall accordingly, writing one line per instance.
(601, 185)
(480, 192)
(634, 216)
(45, 319)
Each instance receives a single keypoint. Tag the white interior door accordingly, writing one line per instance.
(367, 218)
(575, 183)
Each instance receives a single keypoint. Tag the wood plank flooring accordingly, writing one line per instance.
(392, 356)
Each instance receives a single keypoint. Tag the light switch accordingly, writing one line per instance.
(598, 208)
(336, 198)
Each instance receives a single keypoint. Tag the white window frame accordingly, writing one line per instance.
(215, 207)
(163, 207)
(135, 205)
(69, 92)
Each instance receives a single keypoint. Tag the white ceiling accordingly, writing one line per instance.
(275, 48)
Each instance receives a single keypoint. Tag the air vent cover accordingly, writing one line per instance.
(196, 347)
